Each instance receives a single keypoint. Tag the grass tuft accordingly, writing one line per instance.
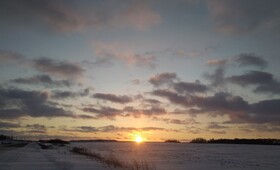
(112, 161)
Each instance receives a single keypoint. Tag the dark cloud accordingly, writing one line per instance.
(152, 111)
(221, 103)
(171, 96)
(250, 60)
(111, 113)
(262, 112)
(272, 87)
(217, 78)
(239, 17)
(62, 69)
(19, 103)
(264, 82)
(56, 94)
(251, 78)
(86, 129)
(189, 87)
(214, 125)
(263, 128)
(190, 121)
(163, 78)
(235, 107)
(63, 94)
(56, 15)
(267, 108)
(104, 112)
(45, 80)
(122, 99)
(65, 16)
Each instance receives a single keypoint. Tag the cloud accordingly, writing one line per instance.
(64, 16)
(265, 82)
(235, 107)
(7, 56)
(272, 88)
(152, 111)
(262, 112)
(99, 62)
(58, 68)
(181, 87)
(245, 59)
(217, 62)
(119, 52)
(36, 128)
(217, 78)
(214, 125)
(239, 17)
(8, 125)
(221, 103)
(20, 103)
(113, 129)
(189, 87)
(173, 97)
(43, 79)
(251, 78)
(163, 78)
(56, 94)
(152, 101)
(122, 99)
(135, 81)
(263, 128)
(267, 106)
(111, 113)
(58, 16)
(46, 65)
(138, 15)
(104, 112)
(190, 121)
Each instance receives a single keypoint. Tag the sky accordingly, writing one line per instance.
(159, 69)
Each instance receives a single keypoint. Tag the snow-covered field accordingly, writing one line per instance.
(32, 157)
(163, 156)
(185, 156)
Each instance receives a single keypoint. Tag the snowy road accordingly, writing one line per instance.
(31, 157)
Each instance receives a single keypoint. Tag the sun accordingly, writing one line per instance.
(138, 139)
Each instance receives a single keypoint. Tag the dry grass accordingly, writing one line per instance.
(113, 162)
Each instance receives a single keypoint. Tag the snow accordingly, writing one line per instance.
(181, 156)
(164, 156)
(31, 157)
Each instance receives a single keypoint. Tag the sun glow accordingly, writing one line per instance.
(138, 139)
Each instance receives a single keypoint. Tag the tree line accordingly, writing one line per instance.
(238, 141)
(4, 137)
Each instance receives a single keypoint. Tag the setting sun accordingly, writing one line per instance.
(138, 139)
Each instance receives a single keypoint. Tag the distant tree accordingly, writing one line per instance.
(172, 141)
(199, 140)
(4, 137)
(239, 141)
